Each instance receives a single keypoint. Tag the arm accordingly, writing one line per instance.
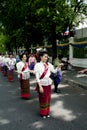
(19, 68)
(36, 69)
(57, 68)
(83, 71)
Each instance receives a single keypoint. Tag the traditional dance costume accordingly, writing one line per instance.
(32, 61)
(43, 72)
(11, 66)
(1, 63)
(24, 75)
(5, 65)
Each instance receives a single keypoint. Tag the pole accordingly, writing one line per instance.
(57, 46)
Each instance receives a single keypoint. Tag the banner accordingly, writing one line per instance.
(63, 46)
(79, 44)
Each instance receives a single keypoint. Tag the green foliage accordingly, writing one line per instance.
(80, 52)
(27, 22)
(3, 39)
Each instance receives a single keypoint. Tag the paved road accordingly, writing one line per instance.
(68, 109)
(74, 78)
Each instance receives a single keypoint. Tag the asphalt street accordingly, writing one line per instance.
(68, 109)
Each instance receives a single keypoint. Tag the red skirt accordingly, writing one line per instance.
(2, 69)
(10, 75)
(44, 101)
(25, 88)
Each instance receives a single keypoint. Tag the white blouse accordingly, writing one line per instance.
(39, 69)
(25, 73)
(11, 63)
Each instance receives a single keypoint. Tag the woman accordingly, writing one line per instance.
(43, 71)
(11, 66)
(57, 76)
(24, 75)
(32, 61)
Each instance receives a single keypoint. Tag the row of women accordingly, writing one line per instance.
(42, 71)
(7, 65)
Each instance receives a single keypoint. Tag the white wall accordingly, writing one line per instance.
(79, 62)
(81, 33)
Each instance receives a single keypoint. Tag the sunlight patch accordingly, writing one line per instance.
(63, 85)
(4, 121)
(59, 111)
(11, 110)
(37, 124)
(81, 75)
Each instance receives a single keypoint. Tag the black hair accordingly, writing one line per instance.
(42, 53)
(21, 56)
(60, 56)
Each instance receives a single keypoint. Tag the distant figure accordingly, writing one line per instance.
(32, 61)
(58, 75)
(24, 76)
(69, 66)
(11, 66)
(17, 58)
(83, 71)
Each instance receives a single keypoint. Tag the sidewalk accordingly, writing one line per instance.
(73, 78)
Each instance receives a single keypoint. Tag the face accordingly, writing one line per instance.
(24, 58)
(11, 56)
(44, 58)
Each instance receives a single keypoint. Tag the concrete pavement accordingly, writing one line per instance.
(68, 109)
(74, 78)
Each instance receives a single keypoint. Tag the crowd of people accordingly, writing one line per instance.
(45, 73)
(7, 65)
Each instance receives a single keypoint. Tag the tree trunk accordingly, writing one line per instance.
(53, 41)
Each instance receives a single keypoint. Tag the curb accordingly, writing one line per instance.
(74, 83)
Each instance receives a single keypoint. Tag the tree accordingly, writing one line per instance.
(27, 22)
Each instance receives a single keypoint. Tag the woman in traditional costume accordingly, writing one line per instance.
(43, 71)
(2, 63)
(11, 66)
(32, 61)
(57, 76)
(24, 75)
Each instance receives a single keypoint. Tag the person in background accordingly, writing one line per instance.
(83, 71)
(69, 65)
(11, 66)
(32, 61)
(58, 75)
(43, 71)
(17, 58)
(24, 75)
(2, 62)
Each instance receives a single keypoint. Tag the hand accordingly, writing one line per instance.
(33, 72)
(22, 73)
(61, 64)
(41, 89)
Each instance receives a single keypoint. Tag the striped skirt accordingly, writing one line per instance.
(25, 88)
(10, 75)
(44, 101)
